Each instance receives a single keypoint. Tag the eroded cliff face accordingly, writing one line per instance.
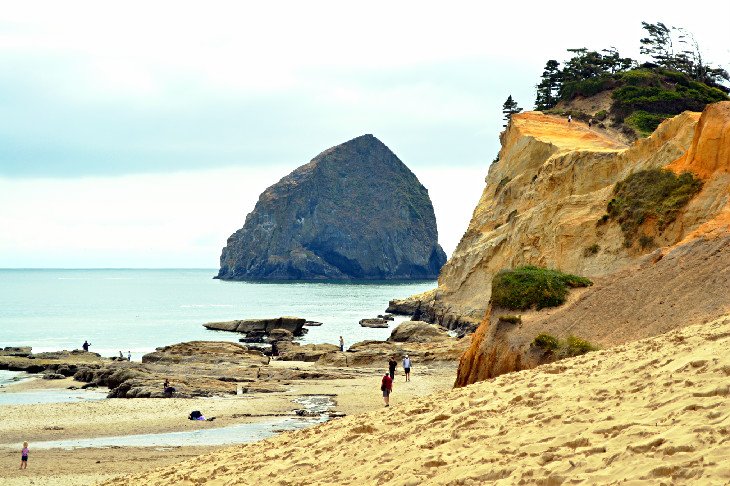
(540, 207)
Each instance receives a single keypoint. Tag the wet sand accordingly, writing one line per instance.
(115, 417)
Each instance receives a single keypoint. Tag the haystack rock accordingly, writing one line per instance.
(541, 206)
(354, 212)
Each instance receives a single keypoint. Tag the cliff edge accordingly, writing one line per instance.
(639, 292)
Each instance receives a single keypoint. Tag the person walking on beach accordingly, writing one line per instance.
(24, 456)
(86, 345)
(407, 367)
(386, 385)
(570, 118)
(342, 345)
(391, 367)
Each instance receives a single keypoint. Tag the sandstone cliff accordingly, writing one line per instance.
(354, 212)
(553, 220)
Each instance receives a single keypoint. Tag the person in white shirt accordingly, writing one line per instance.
(407, 367)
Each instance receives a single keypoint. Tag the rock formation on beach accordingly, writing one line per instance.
(295, 325)
(354, 212)
(648, 412)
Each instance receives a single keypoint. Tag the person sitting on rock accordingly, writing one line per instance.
(168, 389)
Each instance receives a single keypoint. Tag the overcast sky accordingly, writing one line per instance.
(140, 134)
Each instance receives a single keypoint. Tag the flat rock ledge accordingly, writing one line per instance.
(295, 325)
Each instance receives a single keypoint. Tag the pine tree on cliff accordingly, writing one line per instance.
(509, 108)
(547, 89)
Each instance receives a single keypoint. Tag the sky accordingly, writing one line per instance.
(140, 134)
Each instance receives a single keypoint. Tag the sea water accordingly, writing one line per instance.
(139, 310)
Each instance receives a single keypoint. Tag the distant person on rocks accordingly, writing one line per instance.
(121, 356)
(386, 386)
(129, 356)
(168, 389)
(391, 367)
(85, 346)
(570, 118)
(342, 345)
(24, 456)
(407, 367)
(590, 122)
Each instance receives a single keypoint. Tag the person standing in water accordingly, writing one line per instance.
(407, 367)
(85, 346)
(391, 367)
(386, 386)
(24, 456)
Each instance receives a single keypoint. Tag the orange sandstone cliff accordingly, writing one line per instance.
(542, 199)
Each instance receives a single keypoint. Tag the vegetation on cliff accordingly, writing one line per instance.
(677, 78)
(656, 194)
(570, 347)
(527, 287)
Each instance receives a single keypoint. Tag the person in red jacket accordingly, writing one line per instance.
(386, 386)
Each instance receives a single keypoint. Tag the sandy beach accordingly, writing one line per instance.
(655, 411)
(115, 417)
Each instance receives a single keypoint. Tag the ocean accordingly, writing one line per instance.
(140, 310)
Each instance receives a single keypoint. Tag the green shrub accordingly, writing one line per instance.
(572, 346)
(586, 87)
(527, 287)
(591, 250)
(575, 346)
(510, 319)
(645, 123)
(546, 342)
(601, 115)
(655, 193)
(646, 242)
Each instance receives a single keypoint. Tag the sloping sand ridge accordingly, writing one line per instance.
(650, 412)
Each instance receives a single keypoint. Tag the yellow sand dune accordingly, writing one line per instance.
(655, 411)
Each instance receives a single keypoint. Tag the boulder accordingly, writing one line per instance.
(289, 351)
(353, 212)
(377, 322)
(205, 352)
(280, 335)
(22, 351)
(335, 358)
(418, 332)
(404, 307)
(292, 324)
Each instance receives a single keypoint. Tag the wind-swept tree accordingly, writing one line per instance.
(509, 108)
(547, 89)
(658, 45)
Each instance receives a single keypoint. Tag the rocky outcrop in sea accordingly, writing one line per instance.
(354, 212)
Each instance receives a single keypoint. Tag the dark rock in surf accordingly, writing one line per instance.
(354, 212)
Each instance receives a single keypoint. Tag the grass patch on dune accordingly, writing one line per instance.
(572, 346)
(533, 287)
(655, 193)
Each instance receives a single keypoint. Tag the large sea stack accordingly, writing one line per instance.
(354, 212)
